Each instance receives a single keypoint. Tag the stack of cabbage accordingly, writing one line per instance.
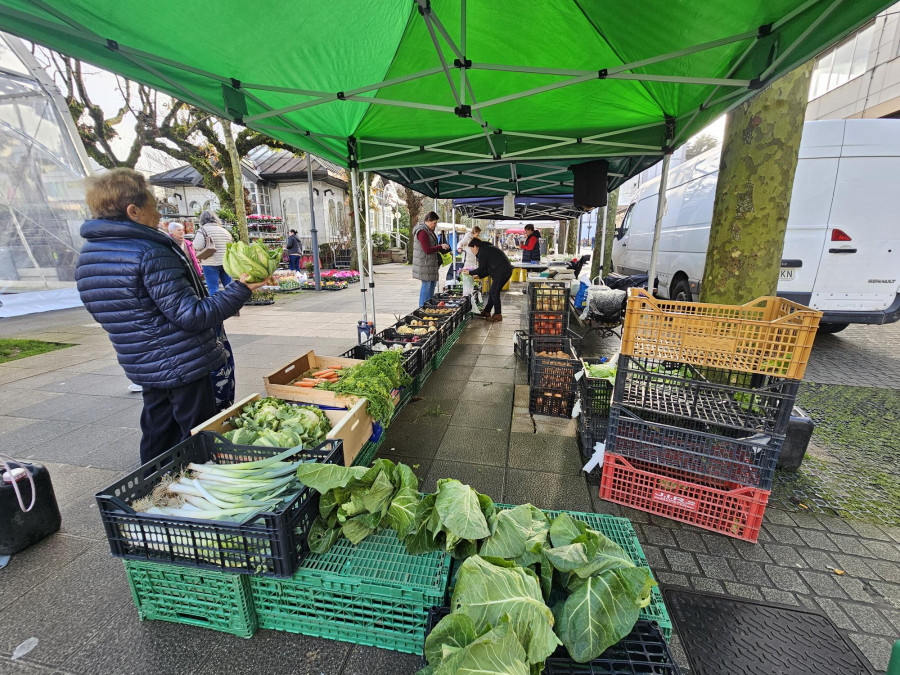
(276, 424)
(256, 260)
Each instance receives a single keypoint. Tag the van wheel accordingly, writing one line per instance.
(830, 328)
(681, 291)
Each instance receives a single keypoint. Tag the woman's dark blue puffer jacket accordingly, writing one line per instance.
(138, 284)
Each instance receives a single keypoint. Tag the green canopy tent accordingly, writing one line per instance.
(395, 85)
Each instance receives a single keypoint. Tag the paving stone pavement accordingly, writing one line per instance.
(68, 592)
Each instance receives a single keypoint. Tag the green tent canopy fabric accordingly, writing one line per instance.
(389, 85)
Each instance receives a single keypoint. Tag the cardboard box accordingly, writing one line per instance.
(278, 384)
(353, 426)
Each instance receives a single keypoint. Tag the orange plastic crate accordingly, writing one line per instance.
(726, 508)
(769, 335)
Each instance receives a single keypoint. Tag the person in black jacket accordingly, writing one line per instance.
(140, 286)
(493, 263)
(292, 248)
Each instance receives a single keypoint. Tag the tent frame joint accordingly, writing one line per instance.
(602, 73)
(463, 64)
(757, 83)
(112, 45)
(463, 111)
(764, 30)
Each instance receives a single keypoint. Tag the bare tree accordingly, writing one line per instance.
(699, 145)
(166, 125)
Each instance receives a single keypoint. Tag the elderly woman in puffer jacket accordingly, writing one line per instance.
(141, 287)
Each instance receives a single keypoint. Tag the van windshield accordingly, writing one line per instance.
(626, 223)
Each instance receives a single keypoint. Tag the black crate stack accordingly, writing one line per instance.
(550, 350)
(711, 431)
(596, 396)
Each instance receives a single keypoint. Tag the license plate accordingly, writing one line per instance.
(787, 274)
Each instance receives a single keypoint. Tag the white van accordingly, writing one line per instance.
(842, 247)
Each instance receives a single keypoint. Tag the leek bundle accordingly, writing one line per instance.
(230, 492)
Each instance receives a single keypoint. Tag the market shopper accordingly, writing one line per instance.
(470, 262)
(493, 263)
(531, 249)
(176, 231)
(427, 256)
(143, 290)
(212, 237)
(292, 248)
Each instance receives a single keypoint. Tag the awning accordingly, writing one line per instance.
(392, 85)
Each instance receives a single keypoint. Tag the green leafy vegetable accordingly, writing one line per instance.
(602, 371)
(454, 519)
(374, 380)
(491, 593)
(275, 423)
(357, 501)
(254, 259)
(457, 650)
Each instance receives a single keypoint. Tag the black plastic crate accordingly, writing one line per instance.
(724, 398)
(596, 394)
(590, 431)
(550, 372)
(450, 300)
(644, 651)
(548, 323)
(521, 347)
(428, 345)
(272, 545)
(450, 318)
(552, 402)
(747, 459)
(460, 305)
(548, 296)
(443, 329)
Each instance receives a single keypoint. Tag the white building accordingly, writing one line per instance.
(277, 183)
(860, 76)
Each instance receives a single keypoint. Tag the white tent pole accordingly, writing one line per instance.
(354, 180)
(657, 230)
(369, 247)
(454, 239)
(602, 227)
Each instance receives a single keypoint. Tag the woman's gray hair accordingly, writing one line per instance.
(174, 227)
(208, 217)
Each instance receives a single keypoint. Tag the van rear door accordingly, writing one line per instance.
(858, 270)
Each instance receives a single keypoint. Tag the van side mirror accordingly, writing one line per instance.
(619, 232)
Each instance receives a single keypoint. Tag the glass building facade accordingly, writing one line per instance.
(42, 171)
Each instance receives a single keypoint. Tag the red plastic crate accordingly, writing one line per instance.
(726, 508)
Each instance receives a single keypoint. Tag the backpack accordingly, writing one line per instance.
(209, 246)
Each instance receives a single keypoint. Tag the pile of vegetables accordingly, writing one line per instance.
(528, 583)
(311, 379)
(382, 347)
(374, 379)
(277, 424)
(602, 371)
(231, 492)
(253, 259)
(547, 324)
(410, 330)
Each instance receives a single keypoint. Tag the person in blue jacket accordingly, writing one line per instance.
(140, 286)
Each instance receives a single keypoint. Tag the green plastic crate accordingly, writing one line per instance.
(196, 597)
(367, 453)
(622, 532)
(442, 353)
(373, 594)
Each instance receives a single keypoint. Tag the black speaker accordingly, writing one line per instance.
(590, 183)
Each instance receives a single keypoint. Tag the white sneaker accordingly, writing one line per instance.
(135, 388)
